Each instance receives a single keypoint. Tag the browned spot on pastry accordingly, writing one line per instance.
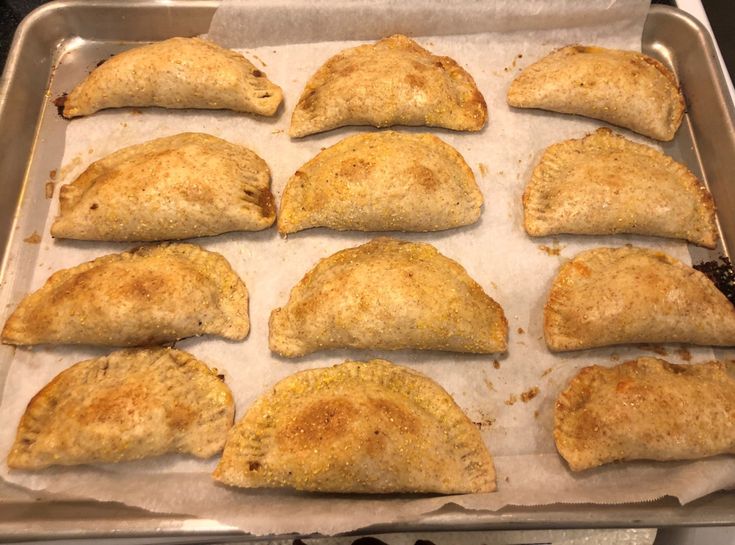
(354, 169)
(253, 466)
(308, 100)
(624, 386)
(423, 176)
(180, 417)
(415, 80)
(266, 203)
(403, 420)
(114, 406)
(580, 268)
(318, 423)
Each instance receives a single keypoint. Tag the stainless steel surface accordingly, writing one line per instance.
(80, 33)
(707, 138)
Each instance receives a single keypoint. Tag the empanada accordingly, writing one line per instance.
(391, 82)
(384, 181)
(129, 405)
(149, 295)
(176, 73)
(610, 296)
(358, 427)
(604, 184)
(625, 88)
(388, 294)
(647, 409)
(181, 186)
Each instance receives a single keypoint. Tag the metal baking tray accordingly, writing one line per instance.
(79, 33)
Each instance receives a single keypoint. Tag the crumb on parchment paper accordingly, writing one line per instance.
(50, 189)
(261, 61)
(660, 350)
(485, 421)
(529, 394)
(34, 238)
(683, 353)
(554, 249)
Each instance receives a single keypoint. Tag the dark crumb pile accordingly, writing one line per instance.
(721, 274)
(59, 103)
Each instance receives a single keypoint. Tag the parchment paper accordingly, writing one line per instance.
(513, 268)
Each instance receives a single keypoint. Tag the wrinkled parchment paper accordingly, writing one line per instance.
(289, 41)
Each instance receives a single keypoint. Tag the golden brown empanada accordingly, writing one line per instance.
(604, 184)
(388, 294)
(384, 181)
(625, 88)
(612, 296)
(176, 73)
(647, 409)
(359, 427)
(129, 405)
(391, 82)
(149, 295)
(181, 186)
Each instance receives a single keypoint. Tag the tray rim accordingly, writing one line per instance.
(641, 515)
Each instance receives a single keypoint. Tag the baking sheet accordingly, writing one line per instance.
(511, 267)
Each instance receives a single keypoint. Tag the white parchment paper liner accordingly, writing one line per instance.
(493, 40)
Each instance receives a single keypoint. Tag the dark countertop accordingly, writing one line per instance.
(721, 14)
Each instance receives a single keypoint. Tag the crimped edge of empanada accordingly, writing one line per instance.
(46, 400)
(291, 217)
(233, 300)
(547, 173)
(252, 437)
